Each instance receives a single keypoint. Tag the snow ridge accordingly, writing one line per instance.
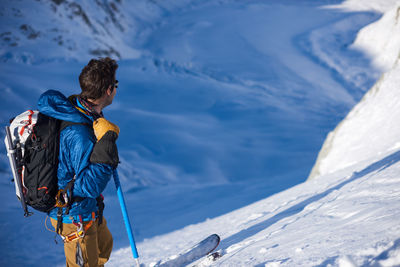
(345, 145)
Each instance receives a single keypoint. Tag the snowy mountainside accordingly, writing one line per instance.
(346, 217)
(356, 138)
(381, 39)
(45, 30)
(347, 144)
(349, 64)
(359, 5)
(67, 29)
(211, 122)
(214, 108)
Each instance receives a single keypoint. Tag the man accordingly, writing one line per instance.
(87, 158)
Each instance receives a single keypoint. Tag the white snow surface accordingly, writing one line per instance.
(346, 144)
(356, 138)
(220, 133)
(358, 5)
(381, 39)
(348, 218)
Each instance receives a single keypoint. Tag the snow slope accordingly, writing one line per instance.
(346, 217)
(356, 139)
(381, 39)
(30, 26)
(253, 105)
(212, 124)
(34, 32)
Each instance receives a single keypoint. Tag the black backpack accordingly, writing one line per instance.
(33, 141)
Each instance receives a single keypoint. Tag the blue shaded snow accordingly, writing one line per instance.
(226, 105)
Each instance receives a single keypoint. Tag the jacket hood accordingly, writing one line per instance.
(54, 104)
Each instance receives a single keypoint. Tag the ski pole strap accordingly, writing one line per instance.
(100, 205)
(68, 192)
(59, 221)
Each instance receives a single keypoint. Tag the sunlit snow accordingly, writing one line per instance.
(223, 107)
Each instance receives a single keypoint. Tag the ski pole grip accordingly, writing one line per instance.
(126, 217)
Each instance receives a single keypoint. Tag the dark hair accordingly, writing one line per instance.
(96, 77)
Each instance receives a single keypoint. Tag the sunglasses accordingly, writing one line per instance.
(115, 85)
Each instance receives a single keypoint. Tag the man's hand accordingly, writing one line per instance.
(105, 150)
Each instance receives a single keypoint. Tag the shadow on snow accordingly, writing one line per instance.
(246, 233)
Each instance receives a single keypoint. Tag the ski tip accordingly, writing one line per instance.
(215, 236)
(216, 239)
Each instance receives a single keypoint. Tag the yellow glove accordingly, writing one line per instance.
(101, 126)
(105, 150)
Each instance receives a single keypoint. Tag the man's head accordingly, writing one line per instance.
(98, 78)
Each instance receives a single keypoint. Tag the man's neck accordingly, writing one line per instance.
(93, 109)
(96, 105)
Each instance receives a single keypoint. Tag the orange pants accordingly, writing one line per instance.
(94, 249)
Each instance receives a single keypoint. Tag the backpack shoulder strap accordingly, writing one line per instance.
(65, 124)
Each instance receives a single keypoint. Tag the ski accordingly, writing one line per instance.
(201, 249)
(209, 260)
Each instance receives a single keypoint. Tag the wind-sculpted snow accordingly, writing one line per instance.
(348, 65)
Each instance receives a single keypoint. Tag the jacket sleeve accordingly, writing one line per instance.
(90, 178)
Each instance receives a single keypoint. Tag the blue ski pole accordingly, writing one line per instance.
(126, 217)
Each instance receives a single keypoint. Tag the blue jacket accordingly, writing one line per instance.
(76, 145)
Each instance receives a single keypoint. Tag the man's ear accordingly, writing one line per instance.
(109, 90)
